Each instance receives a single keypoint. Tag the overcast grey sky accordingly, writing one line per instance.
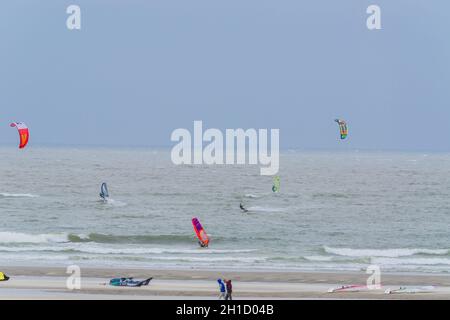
(137, 70)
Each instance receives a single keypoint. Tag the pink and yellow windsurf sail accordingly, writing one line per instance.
(24, 133)
(200, 232)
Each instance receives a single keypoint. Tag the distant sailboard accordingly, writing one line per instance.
(104, 194)
(343, 130)
(276, 184)
(200, 232)
(24, 133)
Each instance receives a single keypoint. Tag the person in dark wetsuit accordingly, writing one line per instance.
(242, 207)
(203, 245)
(229, 287)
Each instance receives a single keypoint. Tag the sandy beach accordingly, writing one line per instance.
(50, 283)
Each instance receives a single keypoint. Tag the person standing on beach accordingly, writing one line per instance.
(222, 294)
(229, 290)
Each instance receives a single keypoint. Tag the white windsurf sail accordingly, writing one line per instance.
(104, 194)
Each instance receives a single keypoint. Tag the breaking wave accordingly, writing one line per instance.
(390, 253)
(17, 237)
(18, 195)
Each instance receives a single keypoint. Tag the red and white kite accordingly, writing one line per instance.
(24, 134)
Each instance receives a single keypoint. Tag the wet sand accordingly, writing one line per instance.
(50, 283)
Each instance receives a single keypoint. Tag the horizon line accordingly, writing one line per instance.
(168, 147)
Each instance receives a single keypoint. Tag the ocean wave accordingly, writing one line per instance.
(318, 258)
(131, 239)
(264, 209)
(392, 253)
(252, 196)
(209, 259)
(331, 195)
(411, 261)
(157, 238)
(169, 194)
(18, 195)
(114, 203)
(17, 237)
(82, 248)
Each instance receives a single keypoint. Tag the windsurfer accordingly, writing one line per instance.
(104, 194)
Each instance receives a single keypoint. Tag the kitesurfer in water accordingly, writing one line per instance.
(203, 245)
(242, 207)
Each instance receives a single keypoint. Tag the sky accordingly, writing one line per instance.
(137, 70)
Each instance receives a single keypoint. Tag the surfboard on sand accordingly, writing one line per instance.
(349, 288)
(410, 289)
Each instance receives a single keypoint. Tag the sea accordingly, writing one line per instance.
(336, 211)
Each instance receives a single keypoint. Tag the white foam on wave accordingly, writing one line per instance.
(318, 258)
(264, 209)
(64, 252)
(209, 259)
(32, 249)
(252, 196)
(392, 253)
(18, 195)
(50, 254)
(96, 249)
(36, 259)
(17, 237)
(115, 203)
(411, 261)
